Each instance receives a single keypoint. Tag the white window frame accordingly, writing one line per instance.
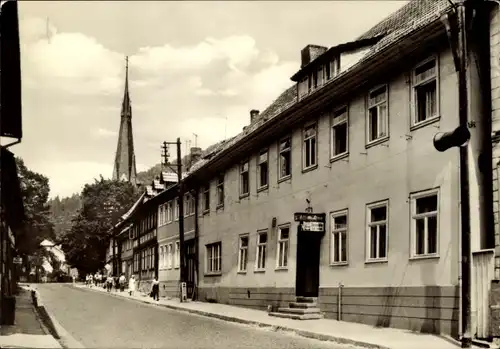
(280, 160)
(161, 262)
(205, 193)
(261, 162)
(213, 260)
(369, 224)
(243, 253)
(380, 119)
(338, 119)
(161, 209)
(307, 140)
(334, 230)
(244, 174)
(320, 76)
(415, 216)
(261, 250)
(283, 242)
(416, 84)
(220, 190)
(176, 209)
(170, 212)
(169, 256)
(177, 254)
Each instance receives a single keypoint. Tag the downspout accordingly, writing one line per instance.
(196, 244)
(339, 302)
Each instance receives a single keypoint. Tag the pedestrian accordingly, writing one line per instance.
(155, 289)
(122, 280)
(109, 282)
(131, 285)
(91, 280)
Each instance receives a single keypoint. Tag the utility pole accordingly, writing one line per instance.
(456, 26)
(180, 197)
(164, 154)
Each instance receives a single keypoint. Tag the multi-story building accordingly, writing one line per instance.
(336, 191)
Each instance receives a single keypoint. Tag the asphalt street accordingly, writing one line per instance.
(99, 321)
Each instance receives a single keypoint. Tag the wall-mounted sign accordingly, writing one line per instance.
(17, 260)
(313, 226)
(310, 217)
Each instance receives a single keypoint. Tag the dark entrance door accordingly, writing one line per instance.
(308, 252)
(190, 267)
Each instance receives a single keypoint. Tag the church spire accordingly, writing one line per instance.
(124, 166)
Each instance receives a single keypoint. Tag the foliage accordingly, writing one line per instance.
(103, 203)
(63, 211)
(35, 191)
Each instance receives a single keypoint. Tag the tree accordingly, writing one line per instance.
(103, 204)
(63, 211)
(37, 225)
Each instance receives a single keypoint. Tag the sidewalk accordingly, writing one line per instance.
(28, 330)
(324, 329)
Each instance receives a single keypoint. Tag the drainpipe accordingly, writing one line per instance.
(196, 245)
(339, 302)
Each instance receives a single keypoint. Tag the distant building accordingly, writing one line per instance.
(124, 164)
(58, 253)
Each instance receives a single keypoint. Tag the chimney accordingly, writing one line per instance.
(194, 155)
(253, 115)
(310, 53)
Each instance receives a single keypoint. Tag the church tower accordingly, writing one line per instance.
(124, 166)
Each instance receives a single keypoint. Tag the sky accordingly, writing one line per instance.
(194, 68)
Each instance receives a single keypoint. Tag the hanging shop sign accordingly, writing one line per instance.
(311, 221)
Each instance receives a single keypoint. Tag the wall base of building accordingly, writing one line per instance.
(248, 297)
(170, 288)
(427, 309)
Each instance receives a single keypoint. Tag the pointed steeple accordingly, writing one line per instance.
(124, 166)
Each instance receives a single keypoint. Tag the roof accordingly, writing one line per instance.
(411, 17)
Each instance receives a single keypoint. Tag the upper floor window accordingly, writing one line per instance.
(340, 134)
(206, 198)
(169, 212)
(377, 232)
(162, 214)
(309, 156)
(377, 114)
(244, 179)
(177, 255)
(319, 76)
(263, 173)
(176, 208)
(285, 157)
(220, 190)
(425, 91)
(303, 86)
(424, 225)
(189, 207)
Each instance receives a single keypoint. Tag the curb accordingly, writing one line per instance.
(275, 328)
(54, 327)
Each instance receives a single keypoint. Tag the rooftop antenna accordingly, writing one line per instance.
(195, 140)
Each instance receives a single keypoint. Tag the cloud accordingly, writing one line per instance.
(73, 87)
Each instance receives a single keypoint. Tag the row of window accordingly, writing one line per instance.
(319, 77)
(169, 256)
(424, 231)
(145, 224)
(169, 211)
(425, 100)
(147, 259)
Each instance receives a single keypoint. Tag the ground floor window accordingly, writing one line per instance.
(424, 227)
(283, 246)
(213, 260)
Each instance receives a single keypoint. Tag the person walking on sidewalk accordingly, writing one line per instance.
(122, 282)
(109, 282)
(155, 289)
(131, 285)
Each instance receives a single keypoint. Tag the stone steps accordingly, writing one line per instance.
(304, 308)
(297, 316)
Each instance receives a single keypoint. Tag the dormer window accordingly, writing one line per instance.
(303, 86)
(320, 76)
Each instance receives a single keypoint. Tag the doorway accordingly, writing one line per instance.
(190, 267)
(308, 259)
